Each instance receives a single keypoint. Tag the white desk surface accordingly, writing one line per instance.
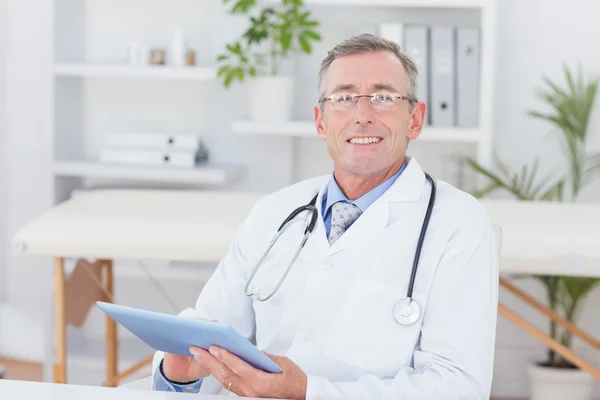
(538, 237)
(10, 389)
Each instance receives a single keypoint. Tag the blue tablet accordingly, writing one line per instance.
(174, 334)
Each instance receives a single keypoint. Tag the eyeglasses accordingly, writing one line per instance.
(379, 100)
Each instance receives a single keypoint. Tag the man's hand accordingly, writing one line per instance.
(182, 369)
(242, 379)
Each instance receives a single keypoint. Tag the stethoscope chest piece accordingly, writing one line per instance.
(407, 311)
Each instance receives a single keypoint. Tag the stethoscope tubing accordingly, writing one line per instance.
(311, 208)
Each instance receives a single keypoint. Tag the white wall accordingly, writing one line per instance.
(534, 38)
(3, 135)
(29, 150)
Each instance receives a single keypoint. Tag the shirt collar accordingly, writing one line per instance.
(334, 194)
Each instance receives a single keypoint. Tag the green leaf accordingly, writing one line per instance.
(228, 78)
(239, 73)
(553, 86)
(241, 6)
(591, 167)
(481, 193)
(222, 70)
(295, 3)
(286, 41)
(575, 290)
(222, 57)
(554, 192)
(312, 34)
(310, 24)
(529, 184)
(495, 180)
(304, 44)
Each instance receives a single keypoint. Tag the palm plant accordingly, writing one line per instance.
(570, 111)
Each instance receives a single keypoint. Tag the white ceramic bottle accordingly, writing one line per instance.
(178, 48)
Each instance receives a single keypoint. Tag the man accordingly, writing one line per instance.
(331, 326)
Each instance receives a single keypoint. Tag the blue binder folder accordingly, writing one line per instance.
(173, 334)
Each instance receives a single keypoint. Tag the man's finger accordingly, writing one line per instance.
(233, 362)
(277, 359)
(215, 367)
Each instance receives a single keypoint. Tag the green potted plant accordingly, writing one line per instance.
(275, 33)
(570, 111)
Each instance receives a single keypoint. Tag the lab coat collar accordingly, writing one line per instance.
(408, 188)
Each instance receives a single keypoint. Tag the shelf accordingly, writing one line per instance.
(398, 3)
(204, 174)
(134, 72)
(291, 128)
(307, 129)
(453, 135)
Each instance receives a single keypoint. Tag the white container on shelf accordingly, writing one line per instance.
(178, 48)
(270, 98)
(137, 53)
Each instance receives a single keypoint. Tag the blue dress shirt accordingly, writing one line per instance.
(335, 194)
(162, 384)
(332, 195)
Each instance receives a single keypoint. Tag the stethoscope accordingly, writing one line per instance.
(406, 311)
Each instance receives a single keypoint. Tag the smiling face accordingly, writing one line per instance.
(364, 140)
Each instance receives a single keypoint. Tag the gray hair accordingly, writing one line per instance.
(370, 43)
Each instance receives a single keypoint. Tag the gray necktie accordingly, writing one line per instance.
(342, 216)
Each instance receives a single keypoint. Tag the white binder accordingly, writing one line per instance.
(176, 158)
(416, 46)
(153, 140)
(443, 87)
(468, 53)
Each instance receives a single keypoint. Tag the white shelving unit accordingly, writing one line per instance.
(397, 3)
(307, 129)
(291, 128)
(472, 13)
(97, 70)
(97, 92)
(207, 174)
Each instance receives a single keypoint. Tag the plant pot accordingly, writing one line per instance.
(549, 383)
(270, 98)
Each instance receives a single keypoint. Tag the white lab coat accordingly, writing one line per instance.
(333, 315)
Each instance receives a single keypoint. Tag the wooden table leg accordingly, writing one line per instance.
(111, 330)
(135, 368)
(568, 325)
(60, 322)
(565, 352)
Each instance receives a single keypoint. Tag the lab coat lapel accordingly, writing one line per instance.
(407, 189)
